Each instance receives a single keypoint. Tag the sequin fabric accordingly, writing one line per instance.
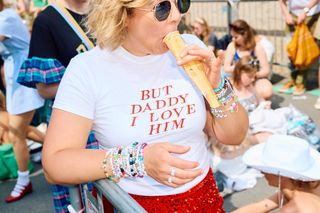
(204, 197)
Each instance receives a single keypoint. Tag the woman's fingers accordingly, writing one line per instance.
(168, 169)
(182, 177)
(183, 164)
(177, 149)
(184, 174)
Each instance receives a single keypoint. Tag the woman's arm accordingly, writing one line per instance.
(47, 91)
(262, 206)
(286, 12)
(264, 64)
(229, 54)
(66, 161)
(303, 15)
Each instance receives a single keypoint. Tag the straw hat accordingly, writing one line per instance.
(286, 156)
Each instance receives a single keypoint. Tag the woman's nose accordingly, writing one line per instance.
(175, 14)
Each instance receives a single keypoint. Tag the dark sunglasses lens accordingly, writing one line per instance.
(162, 10)
(183, 5)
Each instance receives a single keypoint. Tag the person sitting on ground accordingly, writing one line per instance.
(288, 163)
(244, 44)
(201, 29)
(152, 124)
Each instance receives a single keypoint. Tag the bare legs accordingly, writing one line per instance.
(18, 125)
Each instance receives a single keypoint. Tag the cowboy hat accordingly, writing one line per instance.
(287, 156)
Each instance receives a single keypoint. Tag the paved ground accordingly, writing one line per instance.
(40, 200)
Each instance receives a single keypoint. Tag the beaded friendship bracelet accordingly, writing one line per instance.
(104, 166)
(125, 161)
(225, 95)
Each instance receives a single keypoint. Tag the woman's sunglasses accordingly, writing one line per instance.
(163, 8)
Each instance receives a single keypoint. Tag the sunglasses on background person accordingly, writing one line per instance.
(163, 8)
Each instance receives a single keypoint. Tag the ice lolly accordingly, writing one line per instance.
(194, 69)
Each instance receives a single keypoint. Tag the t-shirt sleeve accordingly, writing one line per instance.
(42, 43)
(6, 28)
(76, 93)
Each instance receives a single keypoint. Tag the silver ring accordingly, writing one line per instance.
(169, 179)
(173, 171)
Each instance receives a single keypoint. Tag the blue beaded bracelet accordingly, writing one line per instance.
(221, 85)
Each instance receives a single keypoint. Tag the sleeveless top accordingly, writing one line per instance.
(237, 57)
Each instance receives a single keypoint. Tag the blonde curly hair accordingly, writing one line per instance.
(107, 20)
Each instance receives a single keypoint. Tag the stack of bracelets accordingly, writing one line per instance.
(125, 161)
(227, 99)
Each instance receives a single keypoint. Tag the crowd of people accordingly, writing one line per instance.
(118, 97)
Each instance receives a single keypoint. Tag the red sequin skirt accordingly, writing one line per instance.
(204, 197)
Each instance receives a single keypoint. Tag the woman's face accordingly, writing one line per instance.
(247, 78)
(145, 33)
(237, 38)
(197, 28)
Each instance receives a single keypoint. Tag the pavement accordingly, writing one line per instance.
(40, 200)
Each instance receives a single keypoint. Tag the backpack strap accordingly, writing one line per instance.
(73, 24)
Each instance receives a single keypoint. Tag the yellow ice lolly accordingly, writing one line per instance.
(194, 69)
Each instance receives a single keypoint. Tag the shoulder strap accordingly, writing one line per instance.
(73, 24)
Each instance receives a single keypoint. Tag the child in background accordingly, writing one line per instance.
(297, 172)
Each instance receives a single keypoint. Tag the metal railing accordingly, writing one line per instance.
(120, 200)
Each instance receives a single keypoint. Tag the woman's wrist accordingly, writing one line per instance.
(222, 81)
(227, 99)
(125, 161)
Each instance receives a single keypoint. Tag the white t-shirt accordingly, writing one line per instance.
(296, 7)
(146, 99)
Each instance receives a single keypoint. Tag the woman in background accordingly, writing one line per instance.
(201, 29)
(21, 101)
(244, 44)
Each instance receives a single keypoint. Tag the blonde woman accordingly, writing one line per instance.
(149, 119)
(21, 101)
(201, 29)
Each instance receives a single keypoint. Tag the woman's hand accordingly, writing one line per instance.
(289, 19)
(211, 64)
(159, 162)
(302, 16)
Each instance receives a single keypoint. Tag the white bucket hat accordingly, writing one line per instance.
(286, 156)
